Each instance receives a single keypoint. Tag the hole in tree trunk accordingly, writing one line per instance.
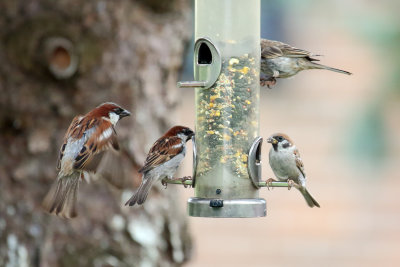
(60, 58)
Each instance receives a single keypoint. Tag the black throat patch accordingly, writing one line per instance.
(275, 146)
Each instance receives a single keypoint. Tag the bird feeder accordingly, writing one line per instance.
(227, 167)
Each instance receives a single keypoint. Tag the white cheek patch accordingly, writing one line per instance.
(106, 134)
(114, 118)
(182, 136)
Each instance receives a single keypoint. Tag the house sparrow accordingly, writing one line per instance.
(279, 60)
(162, 160)
(287, 165)
(86, 137)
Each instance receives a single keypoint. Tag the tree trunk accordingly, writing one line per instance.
(62, 58)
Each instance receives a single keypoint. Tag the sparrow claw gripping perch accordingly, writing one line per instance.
(164, 183)
(269, 183)
(184, 179)
(270, 82)
(290, 184)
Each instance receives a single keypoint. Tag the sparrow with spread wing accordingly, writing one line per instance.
(280, 60)
(162, 161)
(86, 137)
(287, 165)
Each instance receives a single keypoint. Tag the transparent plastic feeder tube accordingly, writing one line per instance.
(227, 114)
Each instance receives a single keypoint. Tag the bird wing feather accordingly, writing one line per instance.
(299, 162)
(163, 150)
(102, 138)
(73, 125)
(274, 49)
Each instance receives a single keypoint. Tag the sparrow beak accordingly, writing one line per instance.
(272, 140)
(191, 134)
(124, 113)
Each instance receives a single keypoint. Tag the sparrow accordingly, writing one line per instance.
(162, 161)
(85, 139)
(285, 161)
(280, 60)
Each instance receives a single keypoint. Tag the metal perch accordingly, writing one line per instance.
(185, 181)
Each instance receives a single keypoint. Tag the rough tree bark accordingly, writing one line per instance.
(62, 58)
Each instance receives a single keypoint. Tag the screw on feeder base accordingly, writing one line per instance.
(216, 203)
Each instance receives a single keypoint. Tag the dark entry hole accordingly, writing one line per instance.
(205, 56)
(258, 154)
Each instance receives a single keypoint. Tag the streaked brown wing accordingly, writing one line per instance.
(299, 162)
(103, 138)
(270, 51)
(162, 151)
(290, 51)
(73, 125)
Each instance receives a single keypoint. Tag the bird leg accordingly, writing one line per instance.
(292, 183)
(164, 182)
(184, 179)
(269, 182)
(269, 82)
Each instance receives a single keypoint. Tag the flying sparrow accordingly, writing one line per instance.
(280, 60)
(86, 137)
(287, 165)
(162, 161)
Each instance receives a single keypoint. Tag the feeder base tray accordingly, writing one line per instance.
(227, 208)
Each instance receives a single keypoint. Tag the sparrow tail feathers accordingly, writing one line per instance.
(62, 196)
(309, 199)
(141, 194)
(320, 66)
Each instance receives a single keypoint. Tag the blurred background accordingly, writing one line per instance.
(346, 127)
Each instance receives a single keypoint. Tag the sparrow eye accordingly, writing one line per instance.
(280, 138)
(118, 111)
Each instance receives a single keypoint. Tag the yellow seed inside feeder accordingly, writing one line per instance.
(244, 70)
(213, 97)
(226, 117)
(227, 137)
